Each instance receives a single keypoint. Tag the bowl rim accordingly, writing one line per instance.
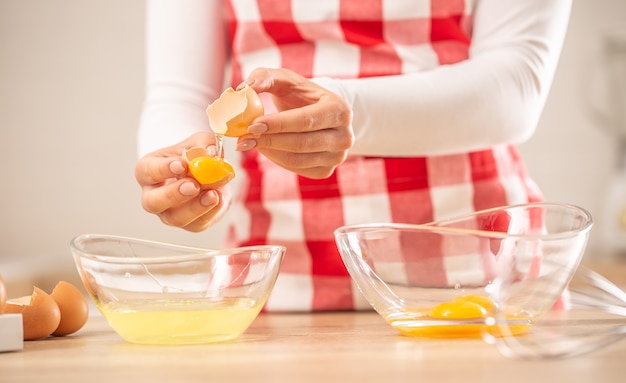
(195, 253)
(433, 226)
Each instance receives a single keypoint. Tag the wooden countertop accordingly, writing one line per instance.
(321, 347)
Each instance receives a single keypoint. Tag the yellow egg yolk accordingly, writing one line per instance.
(210, 170)
(458, 309)
(463, 307)
(471, 308)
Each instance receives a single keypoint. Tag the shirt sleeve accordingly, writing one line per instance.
(185, 66)
(495, 97)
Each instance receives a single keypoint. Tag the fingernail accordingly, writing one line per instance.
(244, 145)
(210, 198)
(244, 83)
(177, 167)
(188, 189)
(257, 128)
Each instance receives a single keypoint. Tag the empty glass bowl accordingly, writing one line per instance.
(464, 276)
(158, 293)
(593, 317)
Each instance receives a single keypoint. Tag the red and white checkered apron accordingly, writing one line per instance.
(353, 39)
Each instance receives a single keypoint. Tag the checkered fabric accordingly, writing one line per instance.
(355, 39)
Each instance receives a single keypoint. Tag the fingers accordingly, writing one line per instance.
(304, 105)
(196, 214)
(326, 140)
(153, 170)
(158, 198)
(157, 167)
(312, 109)
(312, 131)
(329, 111)
(170, 194)
(183, 204)
(312, 165)
(272, 80)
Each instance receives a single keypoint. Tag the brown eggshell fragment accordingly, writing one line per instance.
(73, 306)
(40, 314)
(194, 152)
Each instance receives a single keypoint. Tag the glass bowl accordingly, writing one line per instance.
(446, 278)
(159, 293)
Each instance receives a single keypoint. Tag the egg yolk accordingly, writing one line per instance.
(458, 310)
(480, 300)
(463, 307)
(472, 308)
(210, 170)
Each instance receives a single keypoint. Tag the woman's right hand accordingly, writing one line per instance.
(174, 197)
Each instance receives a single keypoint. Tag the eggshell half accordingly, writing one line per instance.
(40, 314)
(73, 307)
(232, 113)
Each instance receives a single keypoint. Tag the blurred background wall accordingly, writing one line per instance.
(71, 88)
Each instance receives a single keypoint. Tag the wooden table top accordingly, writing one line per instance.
(319, 347)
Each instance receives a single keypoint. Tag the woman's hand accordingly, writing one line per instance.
(177, 199)
(311, 133)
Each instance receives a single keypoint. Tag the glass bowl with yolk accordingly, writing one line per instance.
(496, 271)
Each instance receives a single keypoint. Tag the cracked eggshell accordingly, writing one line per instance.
(195, 152)
(40, 314)
(232, 113)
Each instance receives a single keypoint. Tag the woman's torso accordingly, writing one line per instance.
(353, 39)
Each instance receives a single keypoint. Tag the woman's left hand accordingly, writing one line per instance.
(311, 133)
